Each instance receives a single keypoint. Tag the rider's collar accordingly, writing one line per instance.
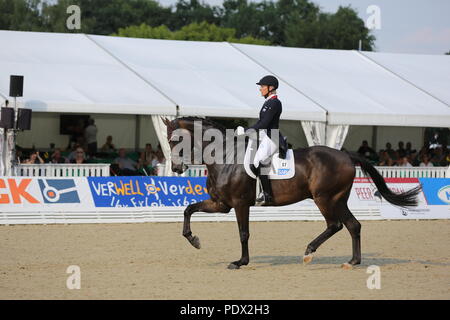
(271, 96)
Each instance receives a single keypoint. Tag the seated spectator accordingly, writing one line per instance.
(409, 150)
(146, 158)
(108, 147)
(127, 166)
(57, 157)
(365, 150)
(80, 156)
(404, 162)
(401, 151)
(391, 152)
(437, 157)
(385, 159)
(35, 158)
(73, 154)
(159, 159)
(426, 161)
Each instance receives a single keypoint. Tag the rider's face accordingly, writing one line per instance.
(264, 90)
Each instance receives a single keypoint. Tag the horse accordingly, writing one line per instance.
(322, 174)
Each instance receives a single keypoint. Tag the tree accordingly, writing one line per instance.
(203, 31)
(187, 12)
(106, 16)
(21, 15)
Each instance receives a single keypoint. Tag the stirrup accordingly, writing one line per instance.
(263, 200)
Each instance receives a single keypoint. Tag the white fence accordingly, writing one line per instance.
(64, 170)
(386, 172)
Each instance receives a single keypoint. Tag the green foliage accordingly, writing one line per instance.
(296, 23)
(203, 31)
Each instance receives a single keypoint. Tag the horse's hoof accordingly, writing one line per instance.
(195, 242)
(347, 266)
(233, 266)
(307, 259)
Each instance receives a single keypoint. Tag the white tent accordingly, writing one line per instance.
(430, 73)
(205, 78)
(353, 89)
(70, 73)
(327, 90)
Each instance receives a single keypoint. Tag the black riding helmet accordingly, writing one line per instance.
(269, 81)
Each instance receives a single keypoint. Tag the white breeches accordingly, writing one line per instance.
(266, 149)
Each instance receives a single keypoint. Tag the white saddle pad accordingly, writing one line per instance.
(279, 168)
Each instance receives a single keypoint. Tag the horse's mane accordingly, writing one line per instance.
(206, 122)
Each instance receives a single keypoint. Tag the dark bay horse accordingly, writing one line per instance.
(321, 173)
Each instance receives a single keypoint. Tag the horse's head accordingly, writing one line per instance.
(180, 134)
(186, 139)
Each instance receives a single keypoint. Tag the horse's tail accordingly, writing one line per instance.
(405, 199)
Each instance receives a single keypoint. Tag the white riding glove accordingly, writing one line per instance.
(239, 131)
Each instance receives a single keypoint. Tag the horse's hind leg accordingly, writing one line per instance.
(354, 228)
(333, 226)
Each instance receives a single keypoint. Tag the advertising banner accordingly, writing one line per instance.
(140, 194)
(146, 191)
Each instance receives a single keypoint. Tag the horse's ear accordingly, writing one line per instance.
(166, 122)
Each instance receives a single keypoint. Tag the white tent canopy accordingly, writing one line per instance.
(205, 78)
(352, 88)
(70, 73)
(430, 73)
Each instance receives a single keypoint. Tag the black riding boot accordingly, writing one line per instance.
(265, 199)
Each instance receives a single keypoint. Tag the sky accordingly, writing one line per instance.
(405, 26)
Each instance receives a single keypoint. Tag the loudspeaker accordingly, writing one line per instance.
(24, 119)
(7, 118)
(16, 86)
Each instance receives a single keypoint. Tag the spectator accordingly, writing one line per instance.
(90, 134)
(426, 161)
(127, 166)
(385, 159)
(52, 147)
(35, 158)
(146, 159)
(79, 156)
(401, 151)
(409, 151)
(57, 157)
(391, 152)
(365, 150)
(404, 162)
(438, 157)
(73, 154)
(108, 147)
(159, 159)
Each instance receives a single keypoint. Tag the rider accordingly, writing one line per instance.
(269, 117)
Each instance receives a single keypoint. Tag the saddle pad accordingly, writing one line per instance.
(279, 168)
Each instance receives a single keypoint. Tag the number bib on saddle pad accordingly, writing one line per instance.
(278, 169)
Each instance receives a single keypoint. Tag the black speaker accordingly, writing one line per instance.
(16, 86)
(24, 119)
(7, 118)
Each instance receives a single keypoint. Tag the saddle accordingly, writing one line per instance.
(281, 165)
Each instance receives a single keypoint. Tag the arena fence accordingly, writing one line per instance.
(386, 172)
(63, 170)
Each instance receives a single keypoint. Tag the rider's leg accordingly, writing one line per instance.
(266, 149)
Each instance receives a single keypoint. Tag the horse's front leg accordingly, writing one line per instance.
(242, 217)
(203, 206)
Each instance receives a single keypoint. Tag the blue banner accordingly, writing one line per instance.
(436, 190)
(151, 191)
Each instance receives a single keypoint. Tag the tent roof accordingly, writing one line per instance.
(352, 88)
(70, 73)
(430, 73)
(100, 74)
(206, 78)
